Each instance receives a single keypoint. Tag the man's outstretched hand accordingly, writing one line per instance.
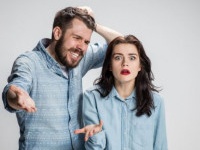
(20, 99)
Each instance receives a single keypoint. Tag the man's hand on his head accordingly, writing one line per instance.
(88, 9)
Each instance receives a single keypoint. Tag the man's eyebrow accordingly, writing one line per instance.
(86, 41)
(77, 35)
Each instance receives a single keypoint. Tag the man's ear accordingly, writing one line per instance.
(57, 33)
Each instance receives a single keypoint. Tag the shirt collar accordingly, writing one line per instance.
(41, 46)
(51, 62)
(114, 93)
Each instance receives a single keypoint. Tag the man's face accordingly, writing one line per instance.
(73, 44)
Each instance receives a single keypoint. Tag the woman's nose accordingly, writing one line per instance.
(124, 63)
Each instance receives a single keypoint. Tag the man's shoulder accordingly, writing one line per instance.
(37, 51)
(28, 58)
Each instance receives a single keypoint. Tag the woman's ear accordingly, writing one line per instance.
(57, 33)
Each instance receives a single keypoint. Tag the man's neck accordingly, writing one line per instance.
(51, 50)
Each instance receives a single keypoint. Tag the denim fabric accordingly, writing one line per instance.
(122, 129)
(58, 98)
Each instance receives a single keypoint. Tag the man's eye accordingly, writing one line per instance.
(76, 37)
(87, 42)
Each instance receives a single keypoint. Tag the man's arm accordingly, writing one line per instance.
(107, 33)
(15, 94)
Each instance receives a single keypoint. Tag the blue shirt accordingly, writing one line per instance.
(122, 129)
(58, 98)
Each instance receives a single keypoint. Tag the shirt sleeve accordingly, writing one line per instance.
(90, 116)
(96, 142)
(21, 76)
(160, 142)
(94, 57)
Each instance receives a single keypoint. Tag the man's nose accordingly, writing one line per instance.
(82, 46)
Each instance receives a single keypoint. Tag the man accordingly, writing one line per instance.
(45, 86)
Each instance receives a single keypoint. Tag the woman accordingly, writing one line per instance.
(125, 98)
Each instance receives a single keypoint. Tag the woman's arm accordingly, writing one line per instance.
(160, 140)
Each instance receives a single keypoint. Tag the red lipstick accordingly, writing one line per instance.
(125, 72)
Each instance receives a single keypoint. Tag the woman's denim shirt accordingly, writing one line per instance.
(122, 129)
(58, 98)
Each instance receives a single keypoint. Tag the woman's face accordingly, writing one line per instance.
(125, 63)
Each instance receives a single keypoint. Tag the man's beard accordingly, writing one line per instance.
(61, 58)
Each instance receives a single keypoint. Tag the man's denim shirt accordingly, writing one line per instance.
(58, 98)
(122, 129)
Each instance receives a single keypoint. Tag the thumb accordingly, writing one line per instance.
(101, 123)
(15, 89)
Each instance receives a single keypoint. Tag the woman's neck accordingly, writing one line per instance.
(124, 89)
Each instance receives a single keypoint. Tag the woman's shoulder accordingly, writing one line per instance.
(95, 89)
(157, 98)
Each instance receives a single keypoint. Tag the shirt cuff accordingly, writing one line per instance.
(98, 137)
(6, 105)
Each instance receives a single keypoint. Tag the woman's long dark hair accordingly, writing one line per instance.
(143, 82)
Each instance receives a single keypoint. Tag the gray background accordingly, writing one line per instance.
(170, 34)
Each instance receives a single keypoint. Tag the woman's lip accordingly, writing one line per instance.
(125, 72)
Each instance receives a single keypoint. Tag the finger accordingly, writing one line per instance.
(78, 131)
(87, 9)
(86, 136)
(26, 108)
(30, 109)
(30, 103)
(27, 105)
(97, 130)
(34, 109)
(21, 104)
(91, 133)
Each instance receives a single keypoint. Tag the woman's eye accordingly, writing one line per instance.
(117, 58)
(132, 58)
